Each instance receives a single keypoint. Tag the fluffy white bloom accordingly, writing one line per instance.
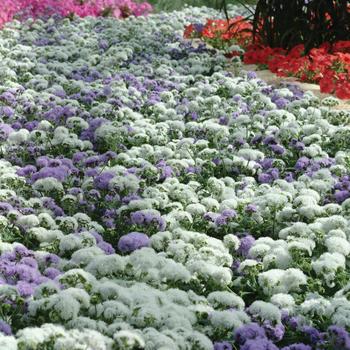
(228, 319)
(246, 264)
(18, 137)
(225, 300)
(327, 265)
(316, 305)
(283, 301)
(28, 221)
(8, 342)
(340, 310)
(265, 311)
(48, 184)
(231, 241)
(336, 244)
(281, 281)
(128, 339)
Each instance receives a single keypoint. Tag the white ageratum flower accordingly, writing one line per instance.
(301, 244)
(265, 311)
(228, 319)
(283, 301)
(316, 306)
(8, 342)
(327, 265)
(225, 300)
(88, 339)
(18, 137)
(28, 221)
(48, 184)
(334, 222)
(338, 245)
(281, 281)
(218, 275)
(128, 339)
(231, 241)
(340, 310)
(250, 154)
(196, 209)
(246, 265)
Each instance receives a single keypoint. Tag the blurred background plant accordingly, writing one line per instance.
(167, 5)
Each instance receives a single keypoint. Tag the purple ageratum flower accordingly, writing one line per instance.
(277, 149)
(223, 120)
(339, 337)
(302, 163)
(27, 170)
(265, 178)
(29, 262)
(314, 335)
(23, 251)
(92, 172)
(42, 161)
(133, 241)
(298, 145)
(274, 333)
(269, 140)
(7, 111)
(235, 265)
(246, 243)
(106, 247)
(251, 208)
(127, 199)
(289, 177)
(5, 328)
(102, 181)
(25, 289)
(229, 213)
(92, 161)
(16, 125)
(225, 345)
(251, 75)
(167, 171)
(267, 163)
(259, 344)
(79, 156)
(221, 220)
(137, 218)
(51, 273)
(5, 207)
(109, 155)
(52, 258)
(198, 27)
(256, 139)
(341, 196)
(281, 103)
(5, 131)
(274, 173)
(298, 346)
(60, 173)
(249, 331)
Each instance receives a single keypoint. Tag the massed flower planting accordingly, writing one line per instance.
(149, 199)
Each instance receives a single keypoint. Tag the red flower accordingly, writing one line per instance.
(343, 90)
(188, 31)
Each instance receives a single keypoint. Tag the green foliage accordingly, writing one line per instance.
(166, 5)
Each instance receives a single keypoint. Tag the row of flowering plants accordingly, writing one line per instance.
(25, 9)
(151, 200)
(328, 65)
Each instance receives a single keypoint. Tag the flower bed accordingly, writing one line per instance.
(151, 200)
(328, 66)
(24, 9)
